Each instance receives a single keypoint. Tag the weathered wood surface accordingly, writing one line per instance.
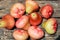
(5, 6)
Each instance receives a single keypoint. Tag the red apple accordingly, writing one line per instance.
(10, 21)
(20, 34)
(46, 11)
(3, 23)
(21, 22)
(31, 6)
(35, 32)
(17, 10)
(35, 18)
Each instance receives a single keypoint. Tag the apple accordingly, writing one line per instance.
(31, 6)
(43, 24)
(26, 26)
(10, 21)
(46, 11)
(35, 18)
(21, 22)
(20, 34)
(17, 10)
(3, 23)
(50, 25)
(35, 32)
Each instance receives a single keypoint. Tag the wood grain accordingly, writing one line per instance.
(4, 9)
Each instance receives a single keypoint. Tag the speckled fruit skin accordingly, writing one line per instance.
(35, 18)
(20, 34)
(46, 11)
(17, 10)
(50, 25)
(10, 21)
(31, 6)
(35, 32)
(21, 22)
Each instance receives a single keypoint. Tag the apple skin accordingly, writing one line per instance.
(35, 18)
(10, 21)
(50, 25)
(31, 6)
(46, 11)
(20, 34)
(21, 22)
(26, 26)
(3, 23)
(43, 24)
(17, 10)
(35, 32)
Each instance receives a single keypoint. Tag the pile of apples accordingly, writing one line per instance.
(28, 20)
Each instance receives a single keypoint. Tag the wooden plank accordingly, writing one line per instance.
(4, 9)
(56, 13)
(7, 35)
(55, 5)
(5, 6)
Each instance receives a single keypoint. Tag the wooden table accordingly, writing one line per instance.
(5, 6)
